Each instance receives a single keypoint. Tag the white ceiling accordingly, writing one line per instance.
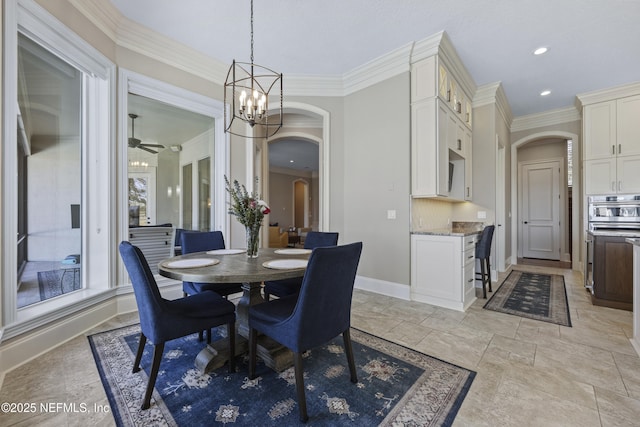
(593, 44)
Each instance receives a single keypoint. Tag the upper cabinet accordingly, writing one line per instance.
(441, 135)
(612, 146)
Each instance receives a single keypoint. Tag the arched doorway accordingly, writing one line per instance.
(576, 200)
(304, 124)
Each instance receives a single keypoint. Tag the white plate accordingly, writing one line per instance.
(226, 251)
(191, 263)
(293, 251)
(286, 264)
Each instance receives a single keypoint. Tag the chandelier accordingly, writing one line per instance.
(247, 91)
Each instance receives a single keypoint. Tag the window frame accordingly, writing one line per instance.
(97, 141)
(139, 84)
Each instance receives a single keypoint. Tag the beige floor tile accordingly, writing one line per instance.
(528, 373)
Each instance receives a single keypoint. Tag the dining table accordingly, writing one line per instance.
(224, 266)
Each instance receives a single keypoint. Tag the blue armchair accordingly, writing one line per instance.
(286, 287)
(319, 313)
(163, 320)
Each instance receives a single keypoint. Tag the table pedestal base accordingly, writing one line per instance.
(216, 354)
(274, 354)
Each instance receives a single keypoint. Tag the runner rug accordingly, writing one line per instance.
(57, 282)
(396, 386)
(533, 295)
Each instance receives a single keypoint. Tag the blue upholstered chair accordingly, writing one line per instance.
(200, 241)
(163, 320)
(286, 287)
(319, 313)
(483, 252)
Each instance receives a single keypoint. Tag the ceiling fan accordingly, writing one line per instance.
(136, 143)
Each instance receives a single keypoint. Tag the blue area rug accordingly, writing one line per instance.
(53, 283)
(533, 295)
(397, 386)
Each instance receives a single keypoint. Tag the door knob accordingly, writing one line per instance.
(526, 222)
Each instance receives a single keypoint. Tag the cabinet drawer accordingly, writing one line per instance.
(468, 278)
(470, 242)
(469, 257)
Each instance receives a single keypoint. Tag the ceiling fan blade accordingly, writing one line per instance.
(152, 145)
(147, 149)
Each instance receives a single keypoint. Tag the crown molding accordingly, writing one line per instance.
(102, 14)
(306, 85)
(608, 94)
(164, 49)
(440, 44)
(493, 94)
(128, 34)
(545, 119)
(396, 62)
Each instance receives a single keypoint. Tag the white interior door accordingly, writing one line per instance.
(541, 210)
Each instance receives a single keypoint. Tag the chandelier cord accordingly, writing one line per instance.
(251, 32)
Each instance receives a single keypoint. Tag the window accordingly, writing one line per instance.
(57, 122)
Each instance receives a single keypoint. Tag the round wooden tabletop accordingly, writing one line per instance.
(233, 268)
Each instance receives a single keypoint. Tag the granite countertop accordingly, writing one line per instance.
(458, 228)
(615, 233)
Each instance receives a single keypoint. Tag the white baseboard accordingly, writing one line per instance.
(29, 345)
(19, 350)
(391, 289)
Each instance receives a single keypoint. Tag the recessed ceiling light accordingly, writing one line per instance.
(545, 92)
(540, 51)
(290, 161)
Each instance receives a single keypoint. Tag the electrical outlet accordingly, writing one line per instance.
(391, 214)
(482, 214)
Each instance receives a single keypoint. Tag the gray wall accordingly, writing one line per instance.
(377, 177)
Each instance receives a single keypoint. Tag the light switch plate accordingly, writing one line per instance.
(391, 214)
(482, 214)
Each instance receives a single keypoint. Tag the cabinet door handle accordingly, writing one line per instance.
(613, 186)
(468, 192)
(619, 148)
(470, 280)
(470, 256)
(448, 95)
(613, 149)
(459, 144)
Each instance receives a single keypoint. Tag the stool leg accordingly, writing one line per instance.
(489, 274)
(482, 274)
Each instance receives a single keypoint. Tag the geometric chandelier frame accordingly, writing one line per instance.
(248, 90)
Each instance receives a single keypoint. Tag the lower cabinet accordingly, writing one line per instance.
(443, 270)
(612, 272)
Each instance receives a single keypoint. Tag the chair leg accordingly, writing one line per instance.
(346, 337)
(155, 366)
(266, 296)
(208, 336)
(141, 344)
(489, 274)
(302, 400)
(200, 335)
(231, 333)
(253, 347)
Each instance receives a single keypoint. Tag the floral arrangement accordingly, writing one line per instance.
(249, 209)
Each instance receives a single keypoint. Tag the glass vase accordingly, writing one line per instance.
(253, 240)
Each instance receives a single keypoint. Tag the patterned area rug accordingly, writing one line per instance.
(396, 386)
(57, 282)
(533, 295)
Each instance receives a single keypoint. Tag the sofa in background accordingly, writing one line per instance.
(277, 237)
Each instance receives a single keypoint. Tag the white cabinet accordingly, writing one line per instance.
(612, 146)
(441, 136)
(443, 270)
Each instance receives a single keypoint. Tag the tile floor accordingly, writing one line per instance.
(529, 373)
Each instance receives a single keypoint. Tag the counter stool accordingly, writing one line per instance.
(483, 252)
